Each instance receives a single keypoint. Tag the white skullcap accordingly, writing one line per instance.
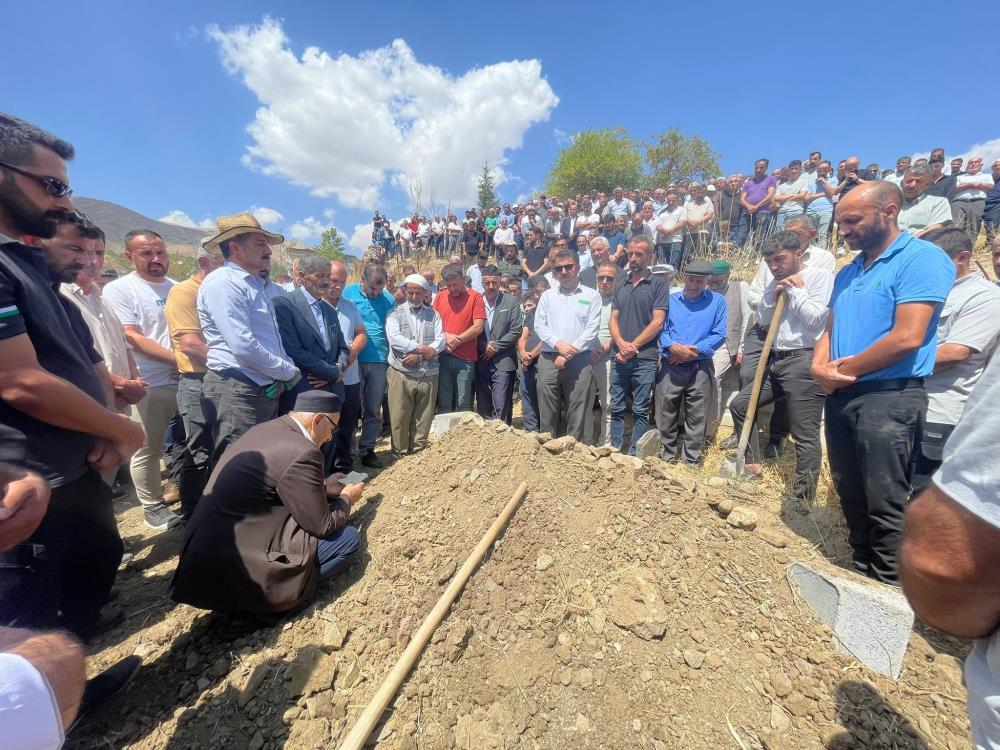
(416, 278)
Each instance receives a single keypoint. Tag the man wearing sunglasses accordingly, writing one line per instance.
(54, 415)
(567, 321)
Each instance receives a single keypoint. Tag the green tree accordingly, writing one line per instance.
(673, 156)
(596, 160)
(331, 245)
(487, 189)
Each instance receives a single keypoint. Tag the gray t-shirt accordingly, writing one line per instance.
(350, 319)
(970, 475)
(971, 317)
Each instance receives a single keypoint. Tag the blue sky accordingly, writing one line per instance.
(158, 97)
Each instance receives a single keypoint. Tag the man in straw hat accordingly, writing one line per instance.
(270, 525)
(248, 368)
(416, 338)
(191, 353)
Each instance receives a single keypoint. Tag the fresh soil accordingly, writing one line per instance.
(629, 604)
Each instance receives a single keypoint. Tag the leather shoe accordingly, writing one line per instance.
(370, 460)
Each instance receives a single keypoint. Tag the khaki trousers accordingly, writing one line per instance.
(411, 409)
(154, 414)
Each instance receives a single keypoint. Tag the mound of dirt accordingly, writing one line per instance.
(628, 604)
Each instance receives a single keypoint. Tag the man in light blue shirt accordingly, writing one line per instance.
(248, 368)
(880, 343)
(374, 303)
(694, 329)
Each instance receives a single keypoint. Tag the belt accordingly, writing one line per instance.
(878, 386)
(193, 375)
(233, 374)
(791, 353)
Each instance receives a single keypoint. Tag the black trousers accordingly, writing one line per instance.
(787, 380)
(494, 391)
(872, 440)
(341, 458)
(753, 344)
(61, 574)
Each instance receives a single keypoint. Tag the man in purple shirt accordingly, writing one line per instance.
(756, 200)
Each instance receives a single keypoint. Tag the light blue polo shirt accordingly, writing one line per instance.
(864, 302)
(373, 311)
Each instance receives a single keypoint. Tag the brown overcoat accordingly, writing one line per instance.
(250, 545)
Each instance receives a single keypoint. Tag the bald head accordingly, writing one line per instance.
(878, 195)
(338, 280)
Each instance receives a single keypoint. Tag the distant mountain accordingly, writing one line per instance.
(117, 221)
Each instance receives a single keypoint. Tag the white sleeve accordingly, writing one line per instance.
(29, 714)
(756, 289)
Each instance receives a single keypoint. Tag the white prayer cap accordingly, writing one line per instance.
(416, 278)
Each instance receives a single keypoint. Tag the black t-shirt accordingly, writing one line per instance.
(535, 256)
(944, 188)
(64, 347)
(635, 304)
(730, 209)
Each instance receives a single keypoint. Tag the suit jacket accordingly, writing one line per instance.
(250, 545)
(508, 320)
(302, 340)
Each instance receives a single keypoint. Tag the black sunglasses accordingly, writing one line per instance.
(564, 269)
(55, 188)
(605, 278)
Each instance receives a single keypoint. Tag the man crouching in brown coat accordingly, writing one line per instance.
(269, 525)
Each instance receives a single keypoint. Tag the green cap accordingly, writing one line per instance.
(720, 267)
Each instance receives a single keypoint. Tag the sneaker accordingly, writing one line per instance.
(105, 686)
(370, 460)
(160, 518)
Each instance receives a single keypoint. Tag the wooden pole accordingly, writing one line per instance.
(359, 733)
(758, 379)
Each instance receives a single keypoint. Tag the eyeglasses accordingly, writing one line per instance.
(605, 278)
(333, 425)
(55, 188)
(563, 269)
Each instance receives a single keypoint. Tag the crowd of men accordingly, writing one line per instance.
(685, 217)
(271, 393)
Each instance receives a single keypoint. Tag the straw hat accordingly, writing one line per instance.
(234, 226)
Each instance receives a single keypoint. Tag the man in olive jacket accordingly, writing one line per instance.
(270, 525)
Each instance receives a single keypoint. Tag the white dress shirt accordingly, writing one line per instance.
(317, 311)
(815, 257)
(29, 713)
(805, 310)
(573, 317)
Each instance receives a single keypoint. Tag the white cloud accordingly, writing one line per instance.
(308, 230)
(361, 237)
(268, 217)
(350, 125)
(989, 150)
(181, 219)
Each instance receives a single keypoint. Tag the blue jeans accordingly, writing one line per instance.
(634, 378)
(676, 254)
(738, 232)
(455, 383)
(373, 385)
(332, 552)
(528, 386)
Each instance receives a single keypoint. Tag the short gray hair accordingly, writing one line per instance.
(598, 242)
(918, 170)
(314, 263)
(808, 219)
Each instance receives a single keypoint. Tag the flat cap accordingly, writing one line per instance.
(698, 268)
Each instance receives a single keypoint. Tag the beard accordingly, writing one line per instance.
(873, 236)
(25, 217)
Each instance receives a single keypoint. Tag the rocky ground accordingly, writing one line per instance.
(629, 604)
